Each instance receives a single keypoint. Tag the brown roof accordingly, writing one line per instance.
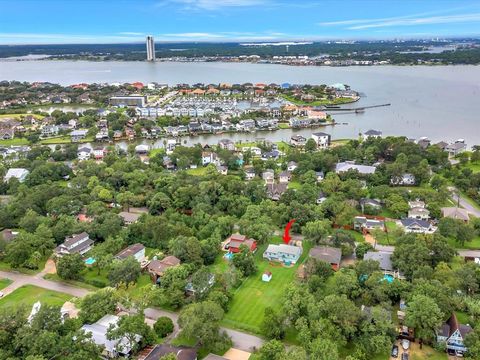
(128, 216)
(7, 235)
(328, 254)
(130, 251)
(159, 266)
(455, 213)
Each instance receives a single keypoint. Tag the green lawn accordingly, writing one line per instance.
(283, 126)
(253, 296)
(294, 185)
(199, 171)
(18, 116)
(4, 283)
(471, 245)
(462, 317)
(6, 267)
(14, 141)
(336, 101)
(474, 166)
(28, 295)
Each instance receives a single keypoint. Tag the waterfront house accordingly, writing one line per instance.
(75, 244)
(424, 142)
(286, 254)
(371, 134)
(316, 114)
(299, 122)
(298, 141)
(226, 144)
(417, 226)
(403, 180)
(456, 148)
(453, 334)
(235, 241)
(246, 125)
(327, 254)
(156, 268)
(342, 167)
(142, 149)
(136, 250)
(112, 348)
(18, 173)
(322, 139)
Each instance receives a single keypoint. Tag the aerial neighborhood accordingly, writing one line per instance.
(140, 239)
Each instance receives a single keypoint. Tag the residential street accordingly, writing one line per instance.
(38, 280)
(464, 203)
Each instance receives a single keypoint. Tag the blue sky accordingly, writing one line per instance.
(116, 21)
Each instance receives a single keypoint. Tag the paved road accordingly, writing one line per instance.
(241, 340)
(464, 203)
(37, 280)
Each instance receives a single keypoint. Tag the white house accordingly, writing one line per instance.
(350, 165)
(322, 139)
(419, 213)
(83, 153)
(249, 174)
(75, 244)
(17, 173)
(136, 250)
(417, 226)
(287, 254)
(209, 157)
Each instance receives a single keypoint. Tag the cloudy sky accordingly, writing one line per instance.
(118, 21)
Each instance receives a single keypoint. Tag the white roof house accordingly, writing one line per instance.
(99, 330)
(18, 173)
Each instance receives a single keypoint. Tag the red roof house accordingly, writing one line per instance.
(236, 240)
(138, 85)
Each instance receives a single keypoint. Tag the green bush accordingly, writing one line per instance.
(163, 326)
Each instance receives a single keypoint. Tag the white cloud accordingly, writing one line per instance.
(214, 4)
(413, 21)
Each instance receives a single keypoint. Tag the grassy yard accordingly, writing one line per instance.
(471, 245)
(294, 185)
(253, 296)
(6, 267)
(199, 171)
(4, 283)
(14, 141)
(474, 166)
(18, 116)
(28, 295)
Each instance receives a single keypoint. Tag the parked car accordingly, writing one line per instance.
(405, 356)
(405, 344)
(394, 351)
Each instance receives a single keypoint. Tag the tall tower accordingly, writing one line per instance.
(150, 48)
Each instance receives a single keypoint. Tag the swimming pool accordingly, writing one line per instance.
(389, 278)
(228, 256)
(90, 261)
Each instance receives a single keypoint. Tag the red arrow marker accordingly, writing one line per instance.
(286, 235)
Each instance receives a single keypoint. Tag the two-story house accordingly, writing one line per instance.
(75, 244)
(287, 254)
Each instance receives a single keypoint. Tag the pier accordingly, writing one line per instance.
(356, 109)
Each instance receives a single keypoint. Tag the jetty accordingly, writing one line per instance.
(356, 109)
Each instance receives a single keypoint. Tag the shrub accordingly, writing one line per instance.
(163, 326)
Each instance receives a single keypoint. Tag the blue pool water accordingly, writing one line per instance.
(389, 278)
(228, 256)
(90, 261)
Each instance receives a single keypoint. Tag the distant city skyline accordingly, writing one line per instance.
(108, 21)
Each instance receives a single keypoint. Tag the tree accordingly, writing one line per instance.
(124, 271)
(273, 326)
(97, 304)
(170, 356)
(244, 261)
(310, 145)
(163, 326)
(272, 350)
(187, 249)
(129, 328)
(70, 266)
(200, 321)
(424, 315)
(317, 231)
(323, 349)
